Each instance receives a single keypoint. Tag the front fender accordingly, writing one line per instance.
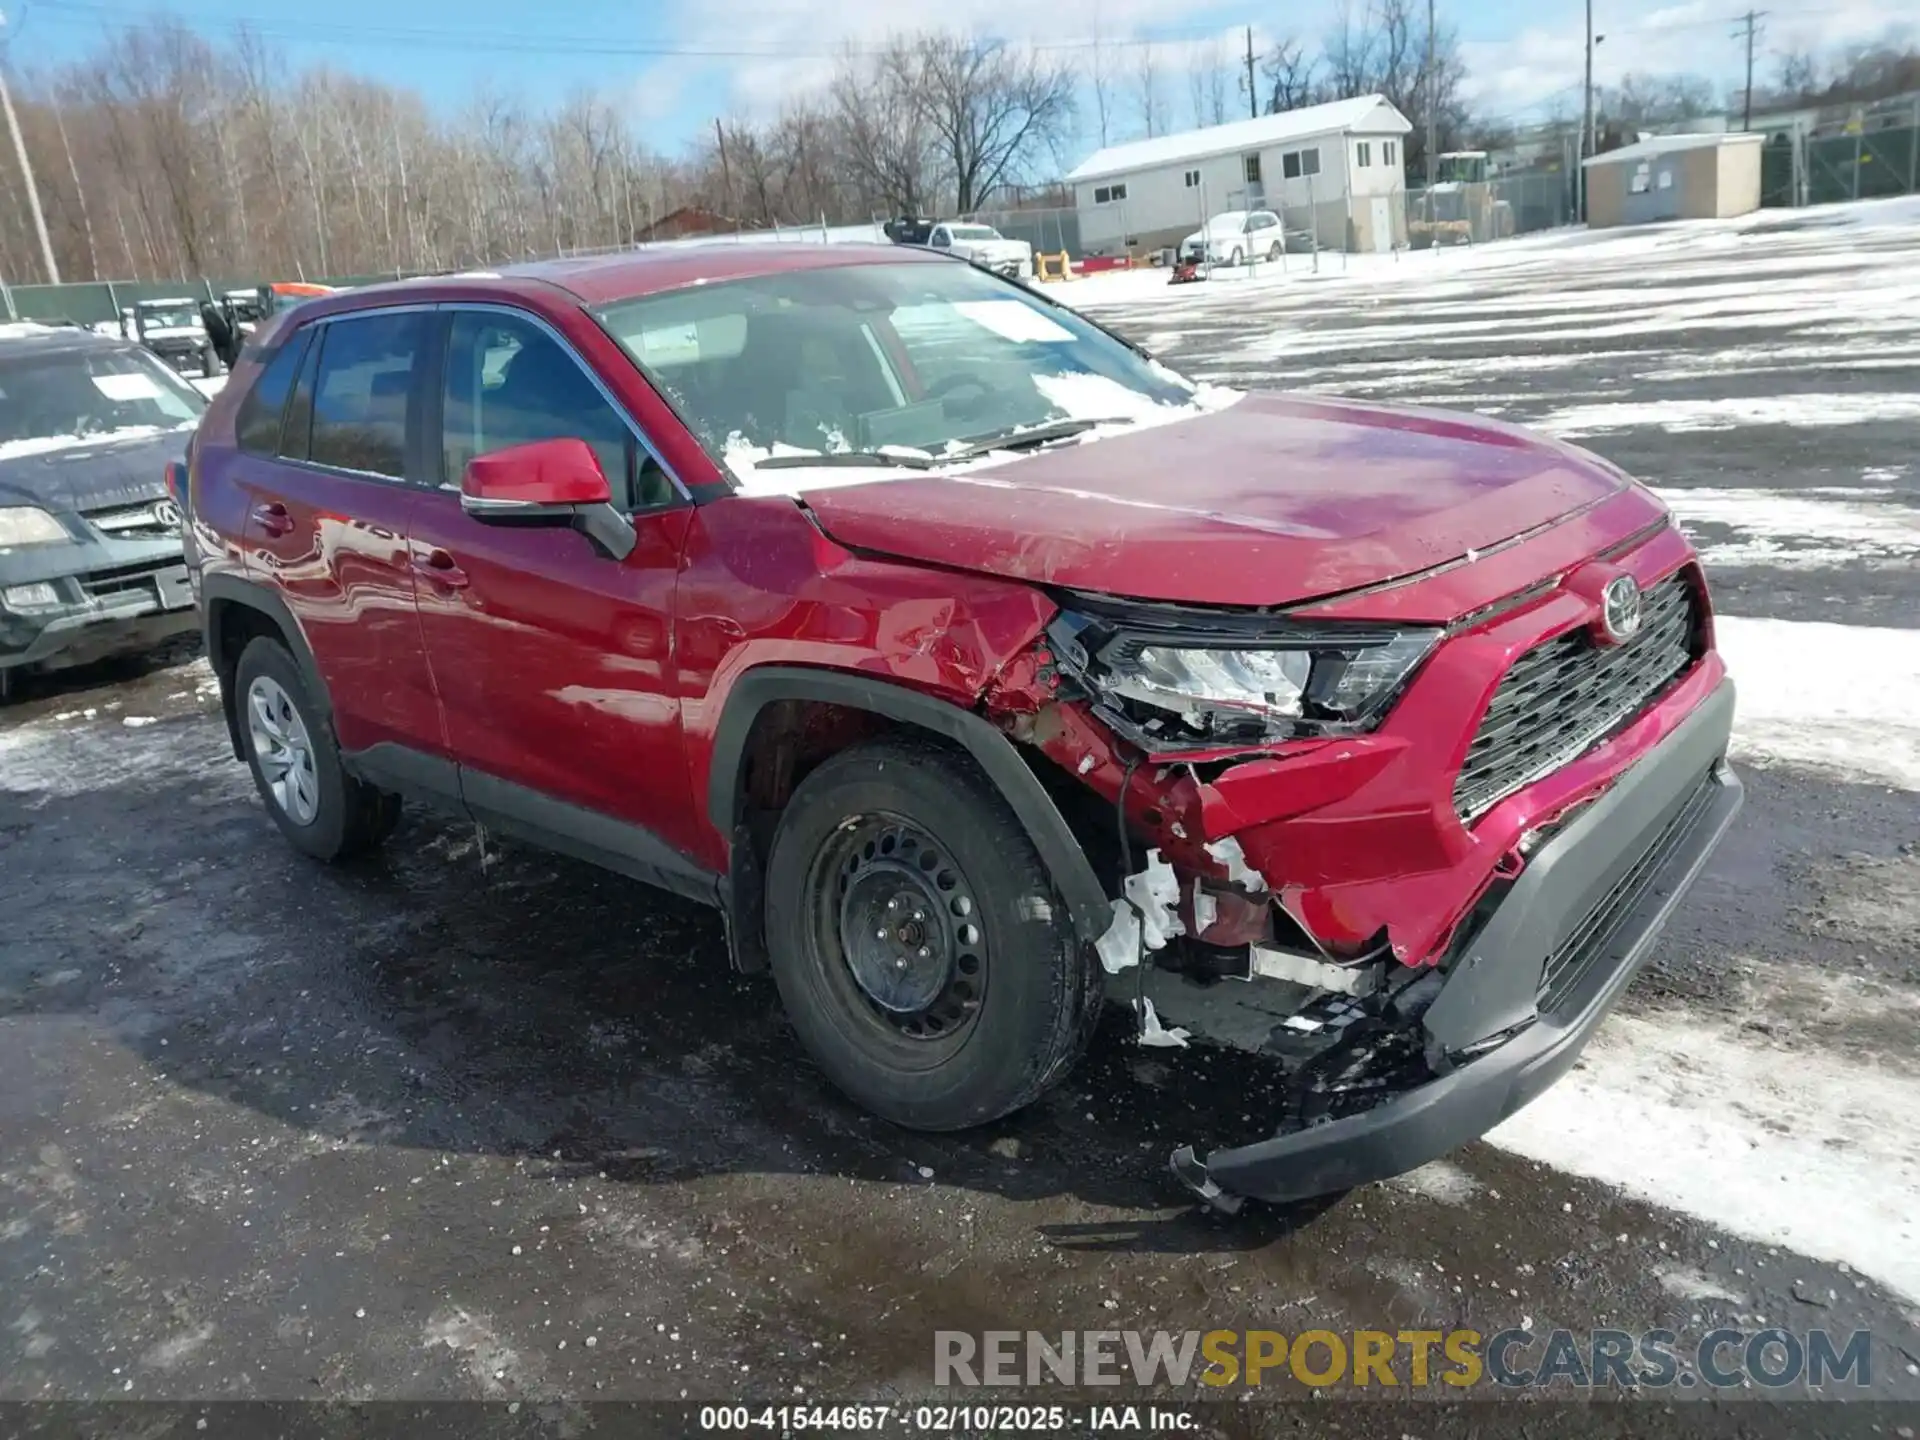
(1066, 862)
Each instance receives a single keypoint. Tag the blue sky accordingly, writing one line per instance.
(675, 64)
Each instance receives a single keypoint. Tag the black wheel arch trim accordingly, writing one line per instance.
(1059, 849)
(235, 590)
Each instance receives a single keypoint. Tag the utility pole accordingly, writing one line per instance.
(1431, 97)
(26, 169)
(1750, 30)
(1586, 124)
(1253, 93)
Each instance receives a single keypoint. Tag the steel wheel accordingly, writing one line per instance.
(283, 749)
(898, 927)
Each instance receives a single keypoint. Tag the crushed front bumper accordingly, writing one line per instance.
(110, 598)
(1543, 970)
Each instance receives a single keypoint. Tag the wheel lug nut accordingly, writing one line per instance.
(880, 934)
(919, 915)
(924, 952)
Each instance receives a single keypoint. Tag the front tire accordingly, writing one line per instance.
(917, 942)
(323, 811)
(1273, 253)
(1236, 258)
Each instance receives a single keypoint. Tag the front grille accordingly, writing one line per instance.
(147, 521)
(123, 579)
(1575, 956)
(1562, 698)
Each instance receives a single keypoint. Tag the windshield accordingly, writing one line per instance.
(929, 359)
(64, 397)
(973, 232)
(179, 315)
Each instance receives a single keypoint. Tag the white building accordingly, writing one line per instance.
(1339, 168)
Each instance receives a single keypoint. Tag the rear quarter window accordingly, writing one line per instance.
(257, 423)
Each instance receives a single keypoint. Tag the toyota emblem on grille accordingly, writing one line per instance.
(167, 514)
(1620, 608)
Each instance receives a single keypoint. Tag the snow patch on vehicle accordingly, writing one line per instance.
(47, 444)
(1810, 1150)
(1838, 698)
(1102, 399)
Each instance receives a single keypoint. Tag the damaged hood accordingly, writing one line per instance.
(1274, 500)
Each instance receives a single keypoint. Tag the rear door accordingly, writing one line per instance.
(327, 518)
(554, 662)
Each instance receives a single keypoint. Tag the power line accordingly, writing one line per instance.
(1751, 30)
(543, 42)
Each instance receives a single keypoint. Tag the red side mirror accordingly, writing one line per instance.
(543, 475)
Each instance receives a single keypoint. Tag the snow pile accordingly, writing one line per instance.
(1841, 699)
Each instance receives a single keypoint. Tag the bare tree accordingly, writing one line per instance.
(1147, 94)
(1101, 81)
(1290, 75)
(1208, 87)
(992, 109)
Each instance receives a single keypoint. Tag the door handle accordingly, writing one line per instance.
(272, 517)
(436, 567)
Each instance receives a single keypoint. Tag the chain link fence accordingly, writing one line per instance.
(1874, 154)
(1049, 230)
(1473, 213)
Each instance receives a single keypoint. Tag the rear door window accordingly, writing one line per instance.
(363, 392)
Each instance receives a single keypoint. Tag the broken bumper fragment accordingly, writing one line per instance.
(1527, 990)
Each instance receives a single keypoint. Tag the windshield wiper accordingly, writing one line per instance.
(1030, 435)
(846, 457)
(1016, 439)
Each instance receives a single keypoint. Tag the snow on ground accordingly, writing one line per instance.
(1815, 528)
(1812, 1151)
(1579, 421)
(1844, 699)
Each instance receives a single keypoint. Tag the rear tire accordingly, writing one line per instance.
(918, 945)
(323, 811)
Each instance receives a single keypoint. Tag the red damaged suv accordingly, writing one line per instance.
(965, 657)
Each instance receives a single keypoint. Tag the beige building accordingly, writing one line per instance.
(1675, 177)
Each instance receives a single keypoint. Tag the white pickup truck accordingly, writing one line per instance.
(982, 244)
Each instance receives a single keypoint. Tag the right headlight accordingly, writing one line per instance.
(29, 525)
(1172, 681)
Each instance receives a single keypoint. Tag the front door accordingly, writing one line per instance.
(1382, 224)
(328, 507)
(554, 662)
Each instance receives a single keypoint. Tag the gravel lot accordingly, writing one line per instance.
(469, 1121)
